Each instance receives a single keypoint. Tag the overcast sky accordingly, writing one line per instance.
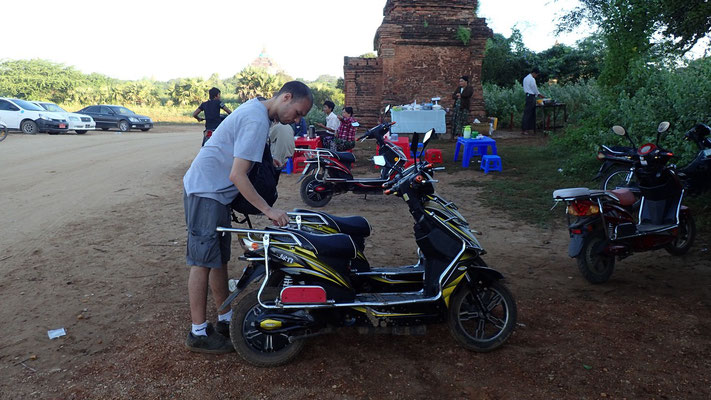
(131, 39)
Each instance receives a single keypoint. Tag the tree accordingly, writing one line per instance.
(506, 60)
(628, 26)
(253, 82)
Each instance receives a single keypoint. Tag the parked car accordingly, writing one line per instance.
(109, 116)
(30, 118)
(80, 123)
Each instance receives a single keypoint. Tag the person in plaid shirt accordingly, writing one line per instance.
(345, 136)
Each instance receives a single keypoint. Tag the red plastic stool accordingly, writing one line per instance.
(433, 156)
(299, 164)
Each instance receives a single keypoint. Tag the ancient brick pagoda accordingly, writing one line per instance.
(420, 56)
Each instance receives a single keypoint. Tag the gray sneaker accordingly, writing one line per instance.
(213, 343)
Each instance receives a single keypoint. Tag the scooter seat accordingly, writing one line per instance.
(353, 225)
(336, 245)
(625, 196)
(345, 157)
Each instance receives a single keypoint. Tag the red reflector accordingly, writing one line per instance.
(576, 231)
(62, 126)
(303, 294)
(319, 188)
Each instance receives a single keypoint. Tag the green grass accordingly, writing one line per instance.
(524, 188)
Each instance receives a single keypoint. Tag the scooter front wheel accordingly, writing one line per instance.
(312, 192)
(482, 318)
(254, 345)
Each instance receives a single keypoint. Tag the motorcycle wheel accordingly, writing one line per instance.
(685, 237)
(619, 178)
(482, 319)
(593, 265)
(310, 196)
(257, 348)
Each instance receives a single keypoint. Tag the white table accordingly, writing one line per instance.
(420, 121)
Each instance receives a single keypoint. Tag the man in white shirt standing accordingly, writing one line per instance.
(529, 110)
(332, 124)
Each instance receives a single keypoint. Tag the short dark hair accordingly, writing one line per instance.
(349, 110)
(330, 104)
(466, 78)
(298, 91)
(214, 92)
(535, 70)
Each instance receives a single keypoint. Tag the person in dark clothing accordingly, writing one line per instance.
(300, 128)
(529, 109)
(211, 108)
(462, 99)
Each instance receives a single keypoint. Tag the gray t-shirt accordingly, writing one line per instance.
(243, 134)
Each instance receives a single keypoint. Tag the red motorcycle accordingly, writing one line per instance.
(329, 172)
(607, 225)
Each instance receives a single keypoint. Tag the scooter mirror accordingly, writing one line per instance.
(356, 124)
(663, 126)
(619, 130)
(413, 145)
(428, 136)
(379, 161)
(387, 108)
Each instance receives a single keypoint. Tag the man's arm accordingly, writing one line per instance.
(227, 109)
(195, 114)
(238, 176)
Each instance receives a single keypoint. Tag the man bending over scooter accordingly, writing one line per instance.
(215, 177)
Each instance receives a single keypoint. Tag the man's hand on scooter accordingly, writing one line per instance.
(278, 217)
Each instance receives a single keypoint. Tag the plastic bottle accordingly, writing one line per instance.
(467, 132)
(491, 127)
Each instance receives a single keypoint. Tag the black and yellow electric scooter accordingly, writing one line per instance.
(308, 286)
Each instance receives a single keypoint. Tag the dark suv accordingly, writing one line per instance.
(108, 116)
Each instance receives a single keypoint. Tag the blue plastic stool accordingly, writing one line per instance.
(420, 153)
(289, 167)
(490, 162)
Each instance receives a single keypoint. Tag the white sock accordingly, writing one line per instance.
(200, 329)
(226, 317)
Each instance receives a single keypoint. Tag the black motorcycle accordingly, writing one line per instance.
(309, 286)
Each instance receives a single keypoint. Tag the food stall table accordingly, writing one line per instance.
(420, 121)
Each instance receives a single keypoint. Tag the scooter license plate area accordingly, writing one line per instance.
(303, 295)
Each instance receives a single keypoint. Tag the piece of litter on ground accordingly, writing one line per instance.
(55, 333)
(587, 367)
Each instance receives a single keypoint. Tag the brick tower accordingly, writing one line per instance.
(422, 52)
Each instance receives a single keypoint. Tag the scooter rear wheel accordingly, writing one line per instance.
(310, 195)
(255, 346)
(482, 318)
(595, 266)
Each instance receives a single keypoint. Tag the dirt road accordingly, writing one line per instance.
(92, 240)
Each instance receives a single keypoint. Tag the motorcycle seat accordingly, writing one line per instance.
(353, 225)
(345, 156)
(337, 245)
(625, 196)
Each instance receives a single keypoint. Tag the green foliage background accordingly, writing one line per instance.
(164, 101)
